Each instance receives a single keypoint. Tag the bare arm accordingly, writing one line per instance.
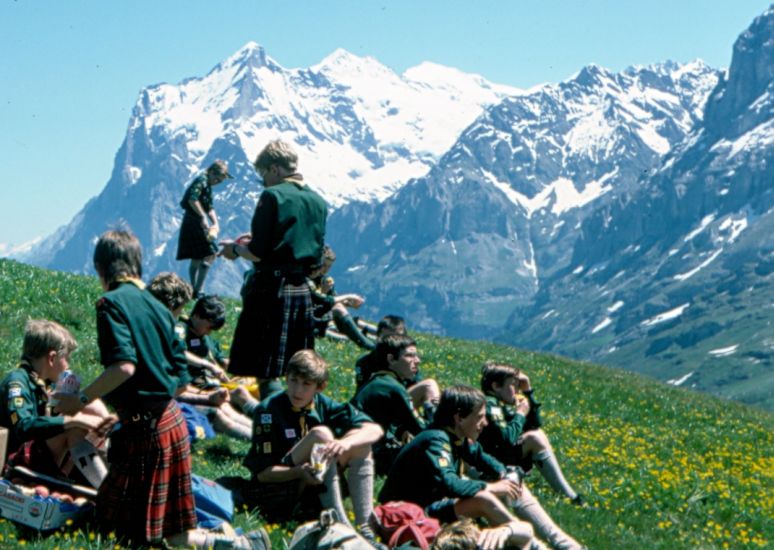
(112, 377)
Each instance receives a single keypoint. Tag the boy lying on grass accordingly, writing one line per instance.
(513, 433)
(287, 428)
(37, 440)
(429, 472)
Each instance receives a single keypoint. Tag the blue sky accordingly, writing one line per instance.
(71, 70)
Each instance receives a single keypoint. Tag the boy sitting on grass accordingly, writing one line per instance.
(385, 399)
(38, 440)
(205, 360)
(513, 433)
(287, 425)
(429, 472)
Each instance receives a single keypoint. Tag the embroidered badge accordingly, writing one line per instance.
(442, 462)
(196, 342)
(290, 433)
(14, 390)
(267, 447)
(258, 430)
(18, 402)
(14, 418)
(180, 331)
(497, 411)
(265, 419)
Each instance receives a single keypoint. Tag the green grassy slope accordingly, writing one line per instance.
(662, 467)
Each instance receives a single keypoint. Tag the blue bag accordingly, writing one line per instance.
(214, 503)
(198, 425)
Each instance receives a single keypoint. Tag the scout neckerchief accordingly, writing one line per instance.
(35, 378)
(302, 424)
(457, 443)
(126, 279)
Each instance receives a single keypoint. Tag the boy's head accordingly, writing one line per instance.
(495, 375)
(171, 290)
(307, 374)
(460, 535)
(276, 160)
(117, 254)
(218, 172)
(326, 262)
(462, 409)
(398, 353)
(390, 324)
(49, 345)
(208, 314)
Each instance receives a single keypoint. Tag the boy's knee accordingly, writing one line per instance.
(321, 434)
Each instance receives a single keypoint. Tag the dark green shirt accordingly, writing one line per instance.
(278, 426)
(199, 190)
(504, 428)
(386, 400)
(25, 412)
(133, 326)
(288, 227)
(429, 469)
(201, 346)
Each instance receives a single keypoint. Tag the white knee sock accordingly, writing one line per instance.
(331, 498)
(360, 480)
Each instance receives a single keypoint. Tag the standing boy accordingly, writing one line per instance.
(288, 231)
(199, 228)
(287, 426)
(146, 496)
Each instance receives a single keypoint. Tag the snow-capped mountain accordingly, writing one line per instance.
(459, 249)
(360, 129)
(675, 277)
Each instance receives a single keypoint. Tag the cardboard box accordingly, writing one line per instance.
(35, 511)
(3, 447)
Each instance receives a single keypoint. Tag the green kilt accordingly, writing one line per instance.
(194, 243)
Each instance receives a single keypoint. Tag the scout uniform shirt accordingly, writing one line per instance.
(278, 426)
(429, 469)
(500, 437)
(199, 190)
(133, 326)
(25, 411)
(201, 346)
(386, 400)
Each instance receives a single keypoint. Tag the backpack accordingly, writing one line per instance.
(328, 534)
(401, 522)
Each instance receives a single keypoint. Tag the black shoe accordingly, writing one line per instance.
(578, 501)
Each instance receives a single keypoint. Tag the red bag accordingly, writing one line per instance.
(401, 522)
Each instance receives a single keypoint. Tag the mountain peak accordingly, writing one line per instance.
(252, 55)
(590, 75)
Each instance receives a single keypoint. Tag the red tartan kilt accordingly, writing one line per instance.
(147, 493)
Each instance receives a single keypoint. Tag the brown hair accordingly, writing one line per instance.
(277, 152)
(308, 364)
(493, 372)
(459, 399)
(460, 535)
(42, 336)
(118, 254)
(393, 345)
(171, 290)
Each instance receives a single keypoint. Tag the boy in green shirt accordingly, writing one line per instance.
(513, 433)
(287, 428)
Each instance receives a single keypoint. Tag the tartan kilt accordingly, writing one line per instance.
(193, 243)
(276, 321)
(146, 495)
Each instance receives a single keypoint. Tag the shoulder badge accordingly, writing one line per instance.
(267, 447)
(14, 390)
(18, 402)
(265, 419)
(14, 418)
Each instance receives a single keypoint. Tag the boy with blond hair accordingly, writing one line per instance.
(37, 439)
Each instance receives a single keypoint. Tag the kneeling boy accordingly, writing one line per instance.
(287, 426)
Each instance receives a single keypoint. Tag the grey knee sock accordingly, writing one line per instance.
(331, 498)
(204, 268)
(527, 508)
(549, 467)
(360, 480)
(193, 270)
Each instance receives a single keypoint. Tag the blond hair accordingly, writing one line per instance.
(42, 336)
(460, 535)
(171, 290)
(277, 152)
(308, 364)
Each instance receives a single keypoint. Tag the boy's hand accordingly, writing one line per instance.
(85, 421)
(494, 538)
(227, 250)
(524, 384)
(334, 450)
(219, 396)
(522, 407)
(505, 488)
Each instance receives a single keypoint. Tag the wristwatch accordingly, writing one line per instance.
(83, 398)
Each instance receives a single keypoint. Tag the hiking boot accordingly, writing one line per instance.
(367, 533)
(578, 501)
